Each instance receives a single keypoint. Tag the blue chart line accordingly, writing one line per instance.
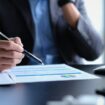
(47, 74)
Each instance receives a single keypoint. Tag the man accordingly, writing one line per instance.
(56, 31)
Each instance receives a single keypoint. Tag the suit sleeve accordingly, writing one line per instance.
(86, 41)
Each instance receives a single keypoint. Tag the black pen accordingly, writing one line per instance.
(28, 54)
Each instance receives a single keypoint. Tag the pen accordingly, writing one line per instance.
(28, 54)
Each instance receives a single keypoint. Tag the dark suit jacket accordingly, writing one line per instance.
(82, 42)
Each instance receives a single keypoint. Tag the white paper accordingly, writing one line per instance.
(5, 79)
(45, 73)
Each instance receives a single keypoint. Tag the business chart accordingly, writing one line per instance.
(43, 73)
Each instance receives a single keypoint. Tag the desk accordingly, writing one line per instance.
(40, 93)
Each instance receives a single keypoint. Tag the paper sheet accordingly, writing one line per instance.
(5, 79)
(45, 73)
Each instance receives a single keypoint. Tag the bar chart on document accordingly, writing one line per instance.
(48, 73)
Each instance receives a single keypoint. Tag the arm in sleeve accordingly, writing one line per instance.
(86, 41)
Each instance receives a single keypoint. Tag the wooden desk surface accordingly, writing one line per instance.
(40, 93)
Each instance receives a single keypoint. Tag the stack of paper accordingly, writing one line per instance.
(43, 73)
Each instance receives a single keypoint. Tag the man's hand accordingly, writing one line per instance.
(71, 14)
(10, 53)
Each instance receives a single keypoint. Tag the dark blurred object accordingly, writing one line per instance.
(64, 2)
(99, 70)
(101, 92)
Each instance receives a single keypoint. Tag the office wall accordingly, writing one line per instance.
(95, 10)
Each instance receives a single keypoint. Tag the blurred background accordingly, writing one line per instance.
(95, 10)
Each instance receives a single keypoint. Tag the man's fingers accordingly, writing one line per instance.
(17, 40)
(10, 45)
(6, 66)
(10, 61)
(11, 54)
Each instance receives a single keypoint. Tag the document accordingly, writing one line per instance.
(43, 73)
(6, 79)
